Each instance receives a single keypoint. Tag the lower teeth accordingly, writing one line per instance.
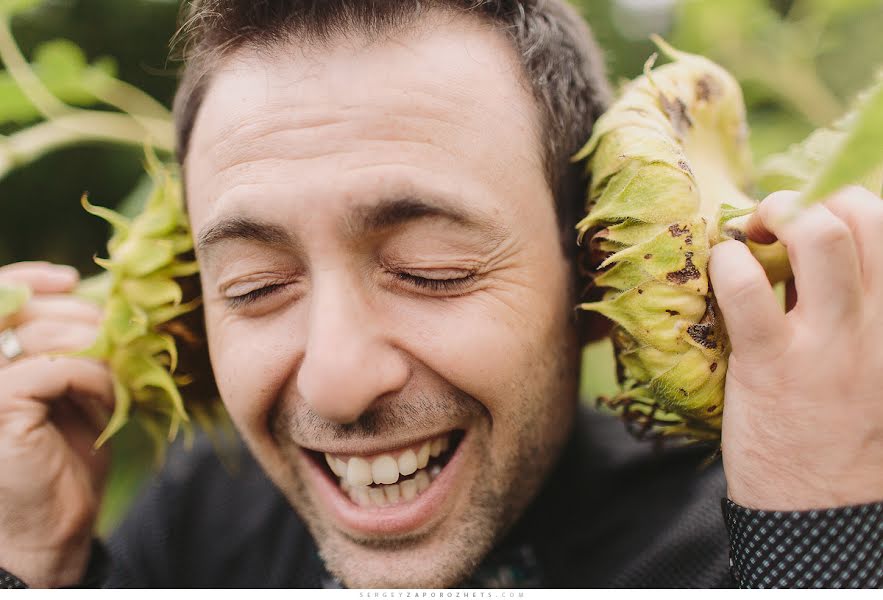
(384, 495)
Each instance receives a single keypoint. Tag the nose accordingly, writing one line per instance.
(349, 362)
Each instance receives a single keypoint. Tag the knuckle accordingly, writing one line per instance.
(855, 191)
(31, 330)
(19, 375)
(874, 218)
(51, 336)
(820, 227)
(88, 308)
(60, 307)
(74, 338)
(855, 201)
(830, 232)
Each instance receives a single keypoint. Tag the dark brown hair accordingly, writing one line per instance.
(562, 64)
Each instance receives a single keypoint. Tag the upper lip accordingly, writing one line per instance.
(372, 447)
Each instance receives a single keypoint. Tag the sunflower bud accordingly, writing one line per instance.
(669, 166)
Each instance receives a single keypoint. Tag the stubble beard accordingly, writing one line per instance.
(509, 481)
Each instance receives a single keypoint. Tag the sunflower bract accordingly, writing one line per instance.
(141, 296)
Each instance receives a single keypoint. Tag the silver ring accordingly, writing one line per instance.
(10, 345)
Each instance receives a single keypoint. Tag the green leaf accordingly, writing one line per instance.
(858, 155)
(13, 298)
(729, 212)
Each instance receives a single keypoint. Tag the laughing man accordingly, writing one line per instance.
(383, 207)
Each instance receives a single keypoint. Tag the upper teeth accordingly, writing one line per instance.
(385, 468)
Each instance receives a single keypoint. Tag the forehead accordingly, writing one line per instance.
(448, 92)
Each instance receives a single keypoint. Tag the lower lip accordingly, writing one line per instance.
(393, 519)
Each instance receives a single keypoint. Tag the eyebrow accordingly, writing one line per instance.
(243, 228)
(361, 221)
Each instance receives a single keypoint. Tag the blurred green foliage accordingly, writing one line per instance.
(61, 66)
(40, 214)
(800, 62)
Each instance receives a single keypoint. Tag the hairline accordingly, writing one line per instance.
(303, 41)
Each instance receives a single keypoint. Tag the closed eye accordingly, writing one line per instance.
(254, 295)
(448, 285)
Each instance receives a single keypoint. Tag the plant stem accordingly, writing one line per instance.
(24, 76)
(82, 126)
(128, 98)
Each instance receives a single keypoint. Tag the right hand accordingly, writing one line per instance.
(52, 409)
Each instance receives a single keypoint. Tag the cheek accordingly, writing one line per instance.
(251, 359)
(494, 345)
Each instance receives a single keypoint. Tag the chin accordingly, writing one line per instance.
(417, 564)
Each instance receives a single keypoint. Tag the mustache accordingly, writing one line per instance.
(390, 414)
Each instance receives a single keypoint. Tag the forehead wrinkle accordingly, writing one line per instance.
(366, 153)
(265, 117)
(288, 137)
(396, 114)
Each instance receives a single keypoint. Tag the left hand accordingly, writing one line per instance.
(803, 417)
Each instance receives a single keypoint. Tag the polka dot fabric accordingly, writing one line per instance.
(834, 548)
(8, 581)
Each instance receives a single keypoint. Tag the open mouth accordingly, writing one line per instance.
(390, 478)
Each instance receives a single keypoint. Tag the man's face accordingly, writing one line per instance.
(385, 291)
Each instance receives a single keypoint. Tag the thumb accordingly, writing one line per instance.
(755, 323)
